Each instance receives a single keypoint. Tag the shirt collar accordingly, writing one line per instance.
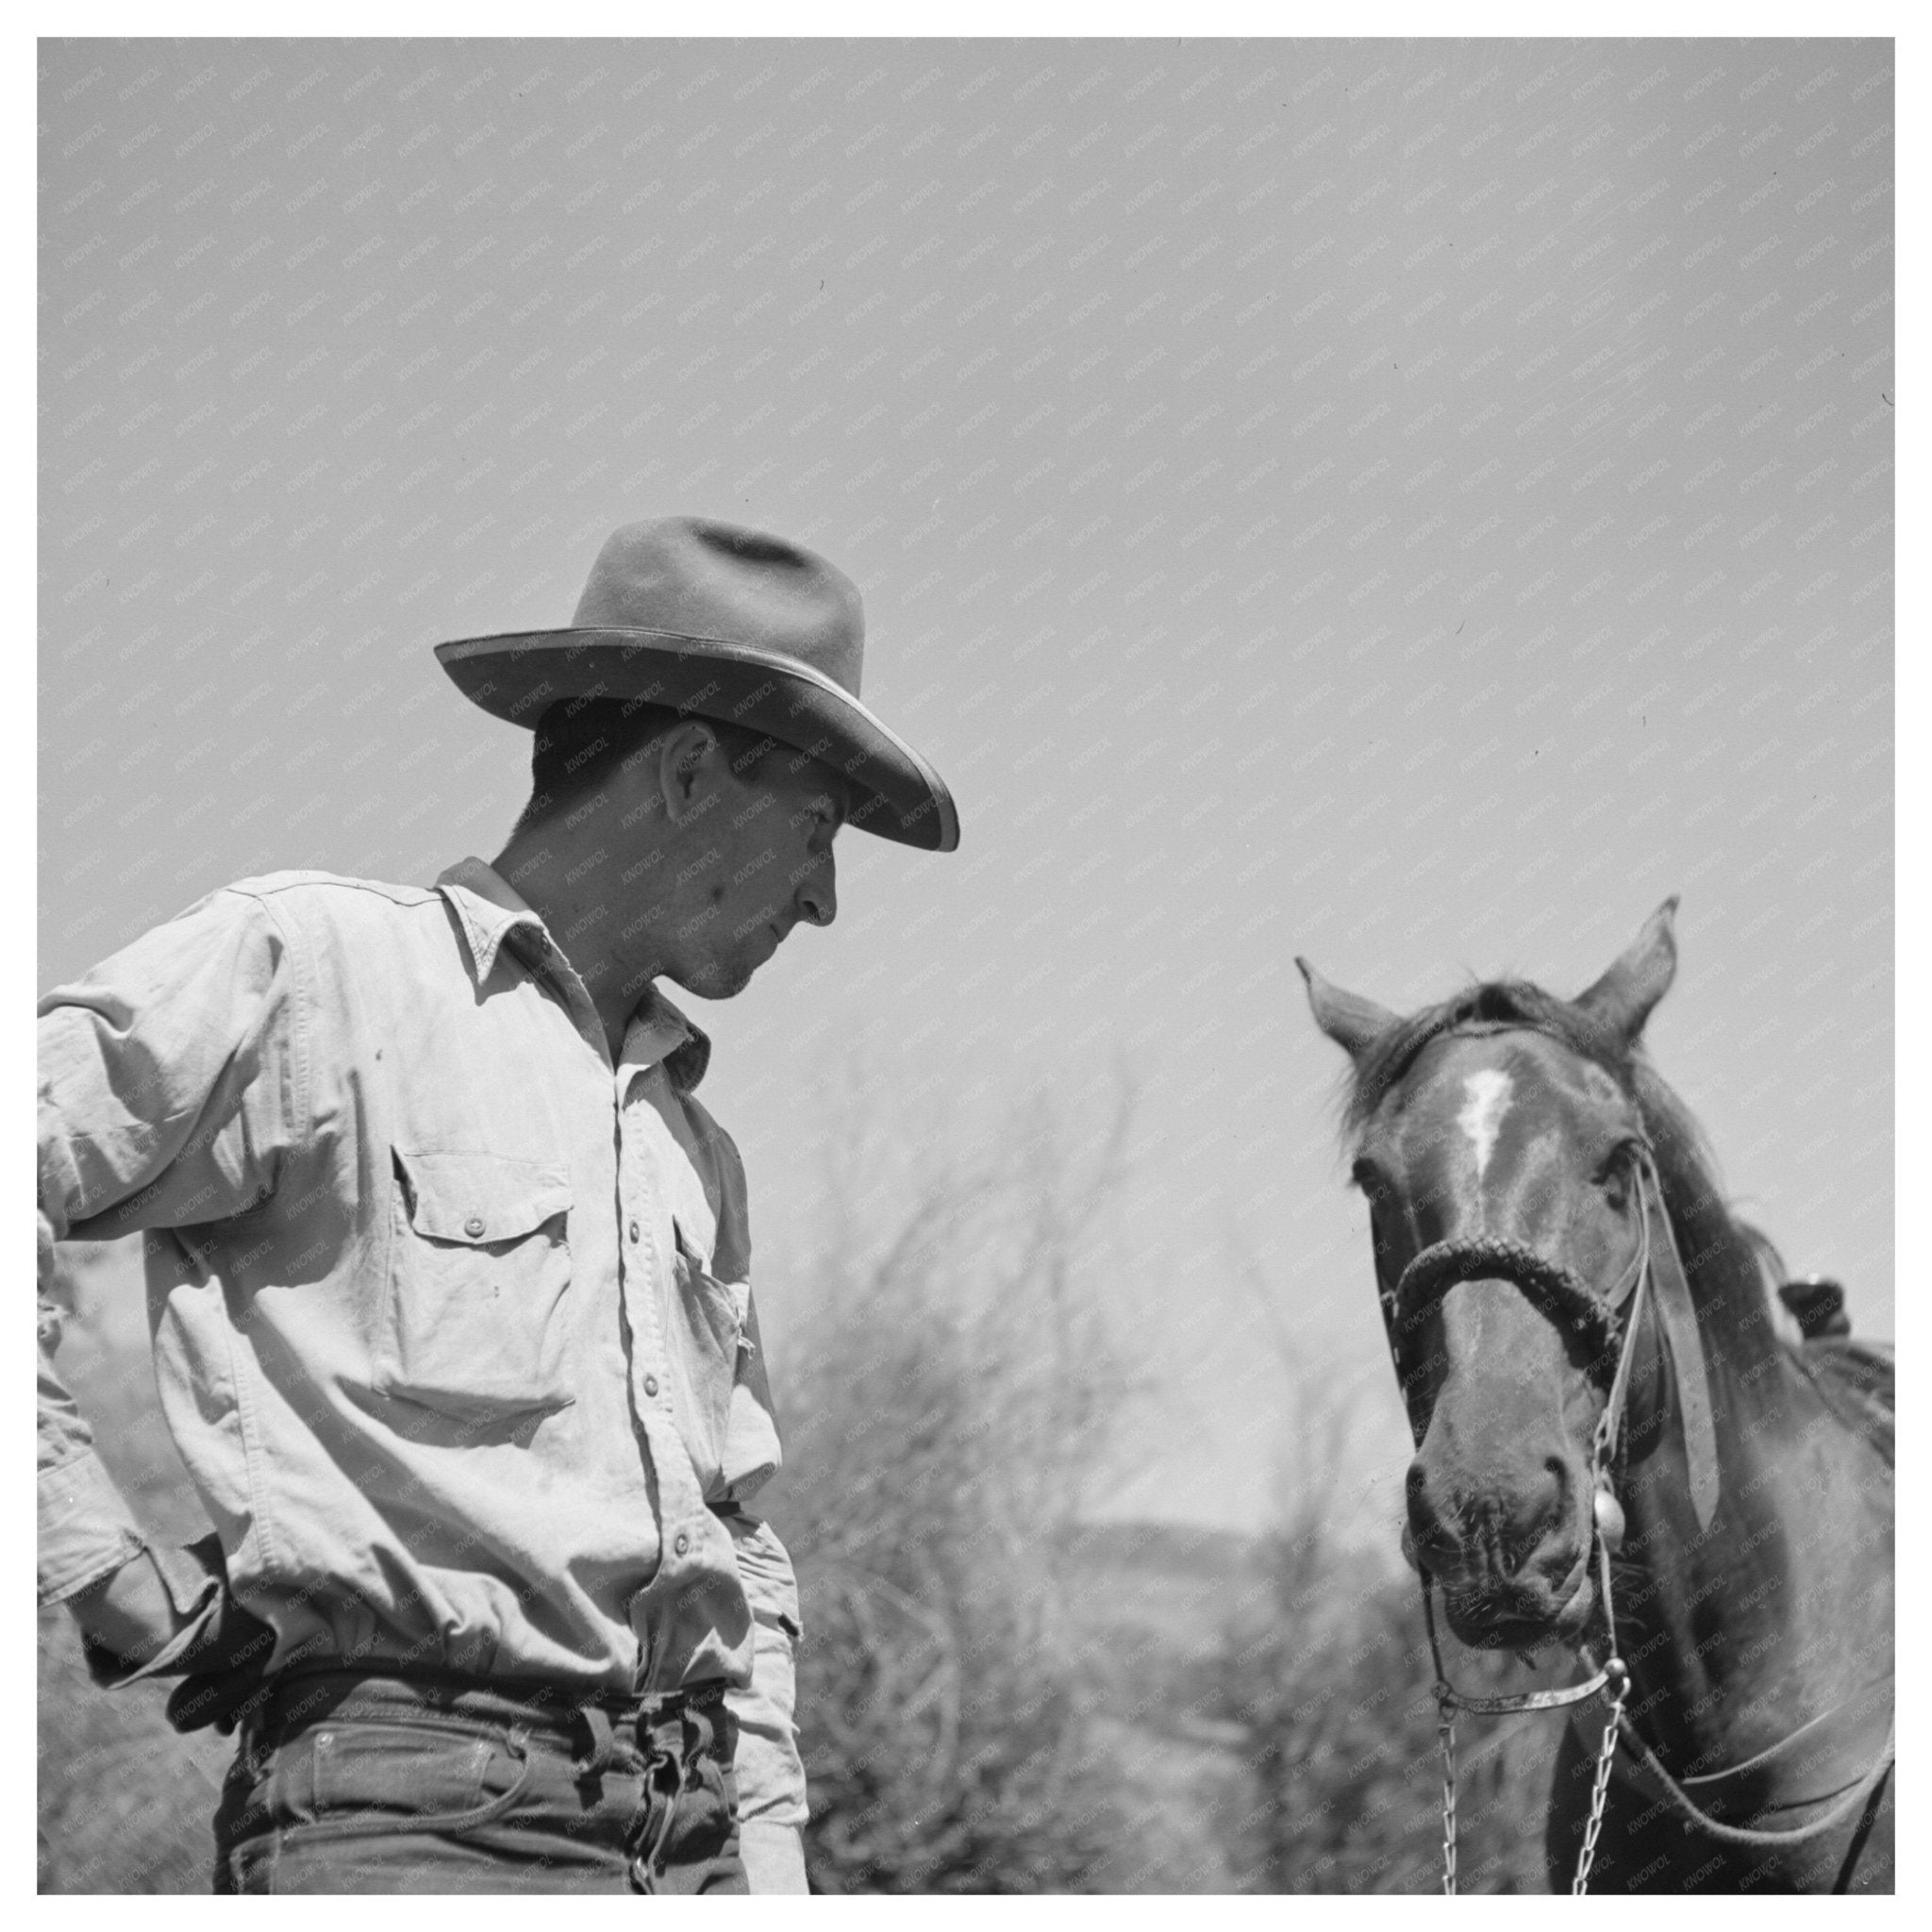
(488, 911)
(660, 1032)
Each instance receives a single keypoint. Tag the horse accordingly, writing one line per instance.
(1618, 1452)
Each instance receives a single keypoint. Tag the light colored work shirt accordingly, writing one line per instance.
(452, 1319)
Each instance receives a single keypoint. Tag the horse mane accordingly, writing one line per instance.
(1726, 1260)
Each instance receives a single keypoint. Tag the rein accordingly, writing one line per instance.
(1745, 1837)
(1568, 1301)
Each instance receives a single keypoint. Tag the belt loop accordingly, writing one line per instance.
(664, 1732)
(647, 1870)
(596, 1721)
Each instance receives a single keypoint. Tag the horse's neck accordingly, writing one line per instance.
(1737, 1634)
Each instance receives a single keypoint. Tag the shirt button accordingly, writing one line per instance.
(650, 1385)
(474, 1226)
(683, 1543)
(633, 1230)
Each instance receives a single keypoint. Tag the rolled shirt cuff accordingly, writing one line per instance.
(86, 1531)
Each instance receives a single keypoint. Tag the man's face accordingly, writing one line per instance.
(758, 860)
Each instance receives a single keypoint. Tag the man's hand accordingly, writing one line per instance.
(131, 1614)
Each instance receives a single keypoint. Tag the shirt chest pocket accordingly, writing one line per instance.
(474, 1311)
(707, 1341)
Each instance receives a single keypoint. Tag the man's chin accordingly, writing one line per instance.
(721, 982)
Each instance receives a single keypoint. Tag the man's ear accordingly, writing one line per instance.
(685, 760)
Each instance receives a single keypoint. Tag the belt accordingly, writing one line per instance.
(297, 1698)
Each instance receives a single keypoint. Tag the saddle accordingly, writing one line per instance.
(1856, 1377)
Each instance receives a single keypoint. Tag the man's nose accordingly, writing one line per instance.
(818, 893)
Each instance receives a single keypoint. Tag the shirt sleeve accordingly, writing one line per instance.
(167, 1084)
(770, 1773)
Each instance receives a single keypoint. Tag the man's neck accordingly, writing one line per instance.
(562, 876)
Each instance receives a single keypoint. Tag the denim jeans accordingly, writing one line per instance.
(353, 1783)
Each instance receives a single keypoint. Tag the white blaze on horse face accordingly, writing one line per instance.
(1481, 1117)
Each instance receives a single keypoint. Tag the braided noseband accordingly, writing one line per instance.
(1557, 1291)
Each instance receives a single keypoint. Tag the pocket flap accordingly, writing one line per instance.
(688, 1246)
(697, 1269)
(480, 1198)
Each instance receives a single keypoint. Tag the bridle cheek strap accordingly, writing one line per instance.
(1688, 1372)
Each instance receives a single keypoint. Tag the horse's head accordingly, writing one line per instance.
(1498, 1145)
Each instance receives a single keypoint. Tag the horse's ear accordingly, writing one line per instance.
(1625, 995)
(1351, 1021)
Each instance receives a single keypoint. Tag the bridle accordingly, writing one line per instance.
(1655, 1276)
(1603, 1322)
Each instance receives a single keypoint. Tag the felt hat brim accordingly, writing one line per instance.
(518, 674)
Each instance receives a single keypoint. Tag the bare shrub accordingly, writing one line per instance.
(948, 1404)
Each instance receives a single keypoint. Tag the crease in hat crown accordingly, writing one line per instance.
(716, 583)
(729, 622)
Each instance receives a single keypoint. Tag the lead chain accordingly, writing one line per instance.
(1619, 1678)
(1607, 1751)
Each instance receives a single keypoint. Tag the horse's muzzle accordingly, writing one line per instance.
(1541, 1605)
(1512, 1556)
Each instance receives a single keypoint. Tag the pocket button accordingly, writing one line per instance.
(474, 1226)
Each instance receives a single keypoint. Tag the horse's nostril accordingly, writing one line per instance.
(1537, 1518)
(1425, 1535)
(1557, 1470)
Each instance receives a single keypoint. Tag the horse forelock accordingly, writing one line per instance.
(1726, 1260)
(1386, 1064)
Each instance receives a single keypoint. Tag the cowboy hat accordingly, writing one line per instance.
(729, 624)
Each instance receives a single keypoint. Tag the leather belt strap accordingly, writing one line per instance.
(539, 1706)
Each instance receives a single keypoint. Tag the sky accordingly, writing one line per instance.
(1413, 505)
